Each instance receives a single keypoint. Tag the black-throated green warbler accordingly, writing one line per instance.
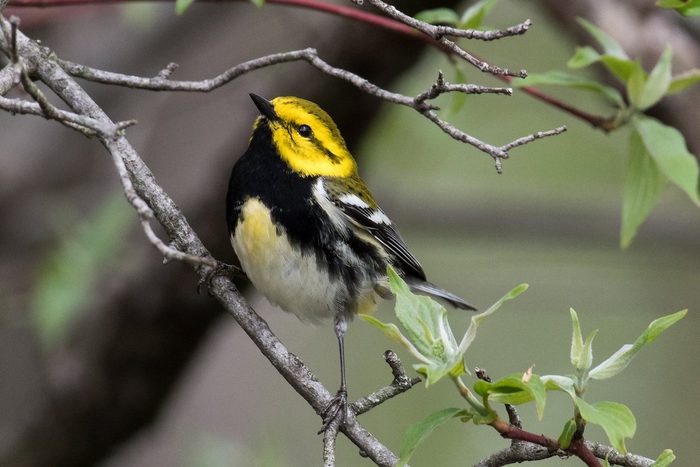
(306, 229)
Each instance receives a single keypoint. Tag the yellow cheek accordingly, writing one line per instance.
(306, 159)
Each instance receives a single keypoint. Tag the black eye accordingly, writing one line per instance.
(304, 130)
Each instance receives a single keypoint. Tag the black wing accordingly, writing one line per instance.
(363, 213)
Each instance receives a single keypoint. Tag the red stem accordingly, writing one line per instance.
(605, 124)
(580, 450)
(339, 10)
(577, 448)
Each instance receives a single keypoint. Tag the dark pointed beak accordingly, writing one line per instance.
(265, 107)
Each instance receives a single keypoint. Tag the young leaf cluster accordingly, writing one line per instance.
(684, 7)
(658, 154)
(427, 335)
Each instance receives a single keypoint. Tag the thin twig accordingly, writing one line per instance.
(442, 87)
(311, 56)
(330, 433)
(515, 454)
(440, 33)
(399, 385)
(530, 138)
(87, 125)
(605, 124)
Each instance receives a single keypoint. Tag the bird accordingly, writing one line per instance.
(306, 229)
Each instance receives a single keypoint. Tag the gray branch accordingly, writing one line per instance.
(400, 384)
(162, 82)
(521, 451)
(516, 453)
(602, 451)
(440, 33)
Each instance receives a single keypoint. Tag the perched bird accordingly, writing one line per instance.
(307, 231)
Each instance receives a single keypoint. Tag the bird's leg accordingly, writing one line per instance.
(338, 406)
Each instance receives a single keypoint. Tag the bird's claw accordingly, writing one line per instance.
(337, 409)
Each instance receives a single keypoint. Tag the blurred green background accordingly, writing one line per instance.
(551, 219)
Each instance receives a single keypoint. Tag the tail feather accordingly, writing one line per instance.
(435, 291)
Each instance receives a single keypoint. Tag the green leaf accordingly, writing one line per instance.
(473, 17)
(684, 7)
(621, 68)
(182, 5)
(636, 82)
(258, 3)
(438, 16)
(392, 332)
(560, 383)
(428, 333)
(567, 434)
(684, 80)
(659, 80)
(610, 46)
(588, 350)
(576, 353)
(644, 184)
(427, 328)
(561, 78)
(419, 432)
(616, 419)
(478, 318)
(666, 146)
(583, 57)
(423, 319)
(581, 353)
(665, 459)
(613, 57)
(514, 389)
(65, 283)
(620, 359)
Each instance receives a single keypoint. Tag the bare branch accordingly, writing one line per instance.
(605, 124)
(602, 451)
(516, 30)
(441, 87)
(515, 454)
(8, 79)
(439, 33)
(400, 384)
(86, 125)
(530, 138)
(311, 56)
(162, 81)
(330, 433)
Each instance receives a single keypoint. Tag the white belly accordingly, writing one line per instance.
(286, 276)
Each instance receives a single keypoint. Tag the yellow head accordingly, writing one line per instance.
(306, 137)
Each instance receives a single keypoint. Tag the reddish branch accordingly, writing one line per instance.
(339, 10)
(606, 124)
(577, 448)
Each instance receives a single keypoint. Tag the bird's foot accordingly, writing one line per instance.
(337, 409)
